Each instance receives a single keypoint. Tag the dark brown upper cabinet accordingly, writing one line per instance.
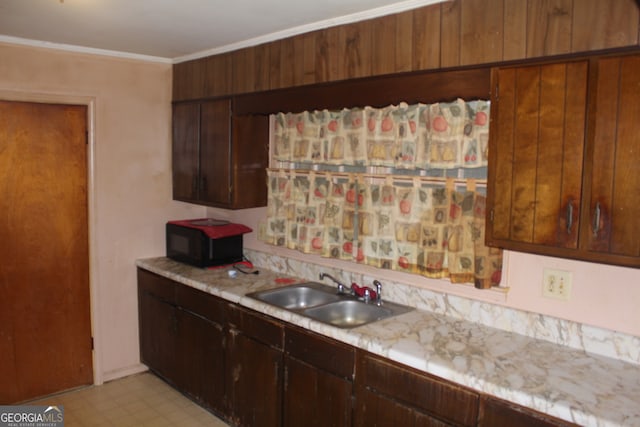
(219, 160)
(564, 142)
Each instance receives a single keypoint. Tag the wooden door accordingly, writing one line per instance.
(499, 413)
(432, 398)
(255, 371)
(200, 359)
(313, 397)
(157, 323)
(215, 152)
(250, 154)
(376, 410)
(45, 330)
(611, 209)
(186, 151)
(536, 157)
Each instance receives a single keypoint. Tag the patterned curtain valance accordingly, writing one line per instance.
(414, 219)
(442, 135)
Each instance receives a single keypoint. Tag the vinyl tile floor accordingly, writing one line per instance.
(139, 400)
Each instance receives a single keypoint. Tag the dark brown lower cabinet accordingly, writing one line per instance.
(318, 384)
(255, 369)
(157, 324)
(201, 349)
(182, 338)
(387, 391)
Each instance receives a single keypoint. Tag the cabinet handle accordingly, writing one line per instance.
(194, 185)
(569, 216)
(203, 184)
(596, 219)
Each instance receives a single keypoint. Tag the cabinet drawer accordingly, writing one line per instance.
(498, 413)
(262, 328)
(432, 395)
(201, 303)
(321, 352)
(156, 285)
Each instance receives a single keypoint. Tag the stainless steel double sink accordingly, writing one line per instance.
(324, 304)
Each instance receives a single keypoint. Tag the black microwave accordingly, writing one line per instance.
(205, 242)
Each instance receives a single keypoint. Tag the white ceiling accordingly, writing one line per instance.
(177, 30)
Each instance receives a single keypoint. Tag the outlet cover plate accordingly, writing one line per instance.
(556, 284)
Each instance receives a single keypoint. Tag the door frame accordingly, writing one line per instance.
(90, 103)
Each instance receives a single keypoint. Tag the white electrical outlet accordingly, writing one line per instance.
(556, 284)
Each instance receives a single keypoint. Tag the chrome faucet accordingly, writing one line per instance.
(341, 287)
(378, 286)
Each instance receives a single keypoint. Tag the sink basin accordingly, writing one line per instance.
(348, 314)
(296, 297)
(324, 304)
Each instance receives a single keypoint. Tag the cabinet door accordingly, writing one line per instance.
(536, 155)
(186, 151)
(611, 208)
(375, 410)
(313, 397)
(251, 159)
(498, 413)
(215, 152)
(200, 350)
(254, 357)
(318, 388)
(256, 382)
(157, 325)
(200, 360)
(431, 398)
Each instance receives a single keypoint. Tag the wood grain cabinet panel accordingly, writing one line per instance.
(612, 183)
(188, 79)
(481, 28)
(313, 397)
(563, 146)
(255, 369)
(202, 151)
(536, 151)
(418, 398)
(444, 35)
(599, 24)
(318, 384)
(178, 342)
(186, 150)
(218, 78)
(498, 413)
(218, 159)
(157, 324)
(376, 410)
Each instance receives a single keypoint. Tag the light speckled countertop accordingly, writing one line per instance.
(584, 388)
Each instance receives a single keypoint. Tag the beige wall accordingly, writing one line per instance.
(130, 192)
